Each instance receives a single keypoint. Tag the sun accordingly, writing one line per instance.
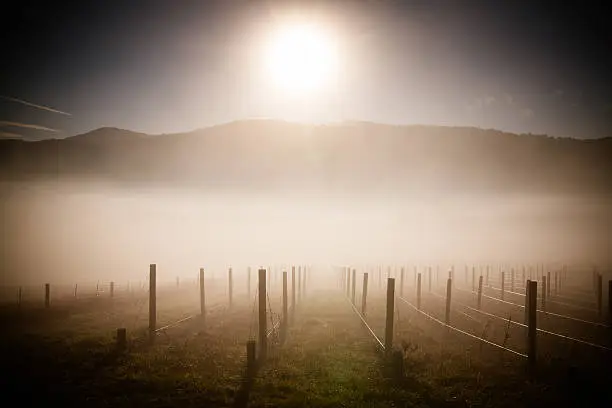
(301, 59)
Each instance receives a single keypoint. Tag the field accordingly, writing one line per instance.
(67, 353)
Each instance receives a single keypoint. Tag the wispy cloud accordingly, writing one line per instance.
(4, 123)
(9, 135)
(34, 105)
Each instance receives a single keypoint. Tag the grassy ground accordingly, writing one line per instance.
(328, 360)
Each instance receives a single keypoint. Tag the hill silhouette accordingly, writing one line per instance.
(351, 156)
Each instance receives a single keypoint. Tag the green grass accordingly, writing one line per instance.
(329, 360)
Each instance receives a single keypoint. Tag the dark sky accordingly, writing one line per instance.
(168, 66)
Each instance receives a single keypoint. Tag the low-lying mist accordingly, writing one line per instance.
(68, 232)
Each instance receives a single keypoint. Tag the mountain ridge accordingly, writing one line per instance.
(264, 153)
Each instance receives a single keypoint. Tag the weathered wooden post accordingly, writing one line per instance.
(112, 289)
(353, 284)
(76, 285)
(473, 278)
(527, 303)
(364, 294)
(389, 316)
(418, 290)
(449, 286)
(292, 294)
(599, 295)
(402, 282)
(202, 296)
(544, 285)
(610, 302)
(263, 338)
(121, 339)
(152, 300)
(47, 294)
(347, 278)
(503, 283)
(251, 347)
(230, 283)
(299, 294)
(532, 323)
(479, 301)
(285, 327)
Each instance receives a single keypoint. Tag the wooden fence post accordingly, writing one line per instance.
(418, 290)
(121, 339)
(285, 327)
(610, 302)
(251, 357)
(364, 294)
(263, 338)
(479, 302)
(202, 296)
(76, 285)
(230, 283)
(544, 285)
(389, 316)
(527, 300)
(292, 294)
(47, 294)
(473, 278)
(299, 294)
(112, 289)
(532, 323)
(599, 295)
(353, 284)
(449, 285)
(152, 300)
(178, 282)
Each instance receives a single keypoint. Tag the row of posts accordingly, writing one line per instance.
(348, 282)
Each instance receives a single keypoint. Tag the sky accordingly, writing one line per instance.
(173, 66)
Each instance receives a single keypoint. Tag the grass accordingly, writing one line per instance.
(66, 355)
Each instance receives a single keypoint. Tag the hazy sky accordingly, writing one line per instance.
(168, 66)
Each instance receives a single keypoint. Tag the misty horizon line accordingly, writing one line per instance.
(263, 119)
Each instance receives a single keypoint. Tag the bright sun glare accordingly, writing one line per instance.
(301, 59)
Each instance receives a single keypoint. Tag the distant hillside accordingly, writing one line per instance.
(259, 154)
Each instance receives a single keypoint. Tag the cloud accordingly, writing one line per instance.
(42, 107)
(9, 135)
(4, 123)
